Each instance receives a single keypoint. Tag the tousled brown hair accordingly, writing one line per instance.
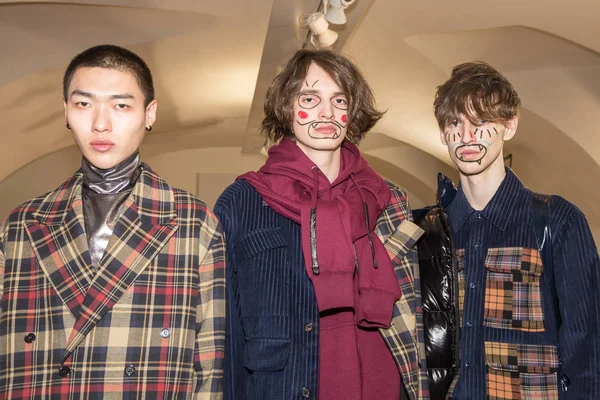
(477, 91)
(362, 114)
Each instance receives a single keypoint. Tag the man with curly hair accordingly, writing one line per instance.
(322, 289)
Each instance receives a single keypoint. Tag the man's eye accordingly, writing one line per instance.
(308, 101)
(122, 106)
(340, 103)
(83, 104)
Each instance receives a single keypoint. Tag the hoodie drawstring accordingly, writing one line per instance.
(313, 221)
(366, 207)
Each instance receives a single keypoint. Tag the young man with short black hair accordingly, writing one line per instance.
(112, 285)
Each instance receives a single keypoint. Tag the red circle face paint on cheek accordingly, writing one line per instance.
(302, 114)
(344, 118)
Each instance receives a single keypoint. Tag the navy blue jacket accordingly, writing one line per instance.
(528, 330)
(272, 316)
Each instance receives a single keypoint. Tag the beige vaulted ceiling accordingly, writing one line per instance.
(213, 60)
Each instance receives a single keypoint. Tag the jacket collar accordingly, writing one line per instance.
(497, 211)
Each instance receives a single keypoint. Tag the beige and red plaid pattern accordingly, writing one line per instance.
(520, 371)
(513, 297)
(149, 323)
(405, 335)
(460, 263)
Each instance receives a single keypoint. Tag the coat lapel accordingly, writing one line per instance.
(59, 242)
(399, 236)
(144, 227)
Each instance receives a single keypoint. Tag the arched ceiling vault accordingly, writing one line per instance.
(212, 62)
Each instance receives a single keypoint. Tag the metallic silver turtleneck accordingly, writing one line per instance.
(104, 192)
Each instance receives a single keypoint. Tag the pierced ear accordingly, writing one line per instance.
(151, 113)
(511, 128)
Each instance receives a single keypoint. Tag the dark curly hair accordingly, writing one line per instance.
(362, 114)
(477, 91)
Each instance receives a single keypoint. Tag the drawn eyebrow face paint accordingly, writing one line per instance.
(320, 109)
(475, 149)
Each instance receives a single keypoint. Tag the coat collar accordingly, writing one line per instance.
(59, 241)
(152, 197)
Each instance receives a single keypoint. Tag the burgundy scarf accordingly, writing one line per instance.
(353, 277)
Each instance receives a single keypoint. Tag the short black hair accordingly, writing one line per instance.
(112, 57)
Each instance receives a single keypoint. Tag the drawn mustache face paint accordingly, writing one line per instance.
(478, 142)
(317, 129)
(468, 153)
(320, 113)
(331, 130)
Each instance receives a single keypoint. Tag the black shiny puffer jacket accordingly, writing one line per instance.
(439, 291)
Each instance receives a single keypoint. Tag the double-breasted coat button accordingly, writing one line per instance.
(30, 338)
(305, 393)
(165, 333)
(64, 371)
(308, 327)
(129, 370)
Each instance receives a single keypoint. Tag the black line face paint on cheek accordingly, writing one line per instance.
(489, 133)
(495, 130)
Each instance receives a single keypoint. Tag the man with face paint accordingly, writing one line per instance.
(323, 287)
(515, 314)
(112, 285)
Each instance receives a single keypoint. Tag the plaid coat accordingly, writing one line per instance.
(272, 336)
(405, 335)
(148, 324)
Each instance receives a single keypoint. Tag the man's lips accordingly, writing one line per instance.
(102, 146)
(472, 151)
(327, 129)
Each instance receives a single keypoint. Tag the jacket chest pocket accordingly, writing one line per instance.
(513, 298)
(263, 279)
(518, 371)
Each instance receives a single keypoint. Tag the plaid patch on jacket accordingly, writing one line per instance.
(148, 324)
(405, 336)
